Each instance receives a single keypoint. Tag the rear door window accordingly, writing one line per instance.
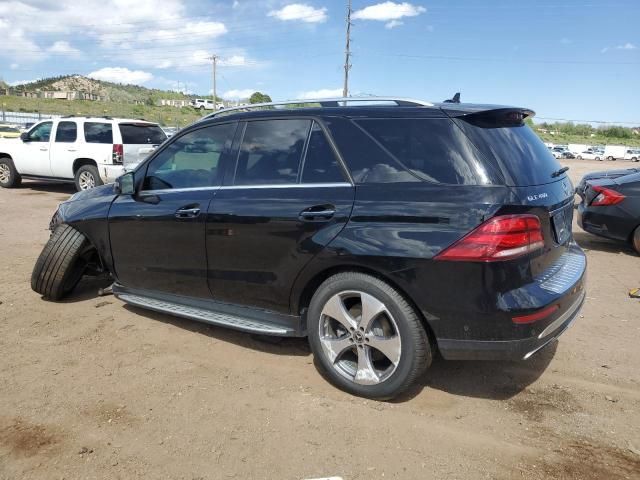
(271, 152)
(95, 132)
(141, 134)
(320, 163)
(67, 132)
(434, 150)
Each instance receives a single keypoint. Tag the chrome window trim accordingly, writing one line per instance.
(249, 187)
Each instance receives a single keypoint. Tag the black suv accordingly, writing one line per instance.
(384, 233)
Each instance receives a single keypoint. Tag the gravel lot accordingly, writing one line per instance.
(91, 388)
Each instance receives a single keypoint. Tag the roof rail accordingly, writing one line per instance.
(324, 102)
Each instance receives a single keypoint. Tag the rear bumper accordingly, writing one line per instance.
(560, 285)
(510, 349)
(609, 222)
(109, 173)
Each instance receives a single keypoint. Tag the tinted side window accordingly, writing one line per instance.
(271, 151)
(435, 150)
(67, 132)
(98, 132)
(141, 133)
(192, 160)
(41, 133)
(320, 163)
(367, 161)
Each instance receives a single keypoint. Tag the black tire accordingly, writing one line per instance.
(83, 174)
(610, 158)
(8, 171)
(414, 351)
(61, 264)
(635, 239)
(597, 159)
(634, 159)
(579, 157)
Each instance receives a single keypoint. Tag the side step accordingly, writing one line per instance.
(205, 315)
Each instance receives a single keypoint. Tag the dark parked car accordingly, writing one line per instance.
(610, 205)
(383, 233)
(567, 154)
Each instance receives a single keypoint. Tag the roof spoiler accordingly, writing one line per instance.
(497, 117)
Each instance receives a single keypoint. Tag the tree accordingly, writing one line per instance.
(259, 97)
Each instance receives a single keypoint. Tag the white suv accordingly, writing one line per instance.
(204, 104)
(84, 150)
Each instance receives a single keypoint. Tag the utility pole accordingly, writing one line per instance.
(347, 54)
(214, 60)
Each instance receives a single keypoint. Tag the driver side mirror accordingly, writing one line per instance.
(125, 184)
(24, 136)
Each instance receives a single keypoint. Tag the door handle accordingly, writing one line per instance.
(71, 150)
(318, 213)
(43, 149)
(187, 212)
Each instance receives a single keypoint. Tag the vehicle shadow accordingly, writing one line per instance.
(287, 346)
(588, 241)
(87, 289)
(33, 187)
(493, 380)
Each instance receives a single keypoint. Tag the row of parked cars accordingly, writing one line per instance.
(597, 153)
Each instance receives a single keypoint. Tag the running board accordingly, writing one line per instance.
(251, 325)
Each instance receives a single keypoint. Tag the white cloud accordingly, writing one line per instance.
(22, 82)
(300, 11)
(14, 66)
(239, 94)
(624, 46)
(63, 48)
(322, 93)
(394, 24)
(388, 11)
(121, 75)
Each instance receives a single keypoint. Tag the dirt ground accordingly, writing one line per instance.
(91, 388)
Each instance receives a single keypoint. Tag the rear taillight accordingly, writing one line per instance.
(536, 316)
(499, 238)
(118, 153)
(605, 196)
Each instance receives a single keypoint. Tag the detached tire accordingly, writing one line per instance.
(87, 176)
(366, 338)
(61, 264)
(635, 239)
(9, 176)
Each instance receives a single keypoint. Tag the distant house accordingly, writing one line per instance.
(635, 131)
(169, 102)
(69, 95)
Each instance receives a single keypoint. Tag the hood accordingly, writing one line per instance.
(92, 193)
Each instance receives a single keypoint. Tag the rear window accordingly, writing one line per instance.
(518, 151)
(434, 150)
(141, 134)
(98, 132)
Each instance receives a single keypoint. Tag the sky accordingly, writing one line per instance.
(566, 59)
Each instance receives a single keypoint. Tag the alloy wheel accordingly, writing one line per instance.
(86, 181)
(5, 173)
(360, 337)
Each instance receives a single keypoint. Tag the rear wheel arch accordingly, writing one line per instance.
(312, 285)
(79, 162)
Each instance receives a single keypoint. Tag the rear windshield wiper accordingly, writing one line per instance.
(557, 173)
